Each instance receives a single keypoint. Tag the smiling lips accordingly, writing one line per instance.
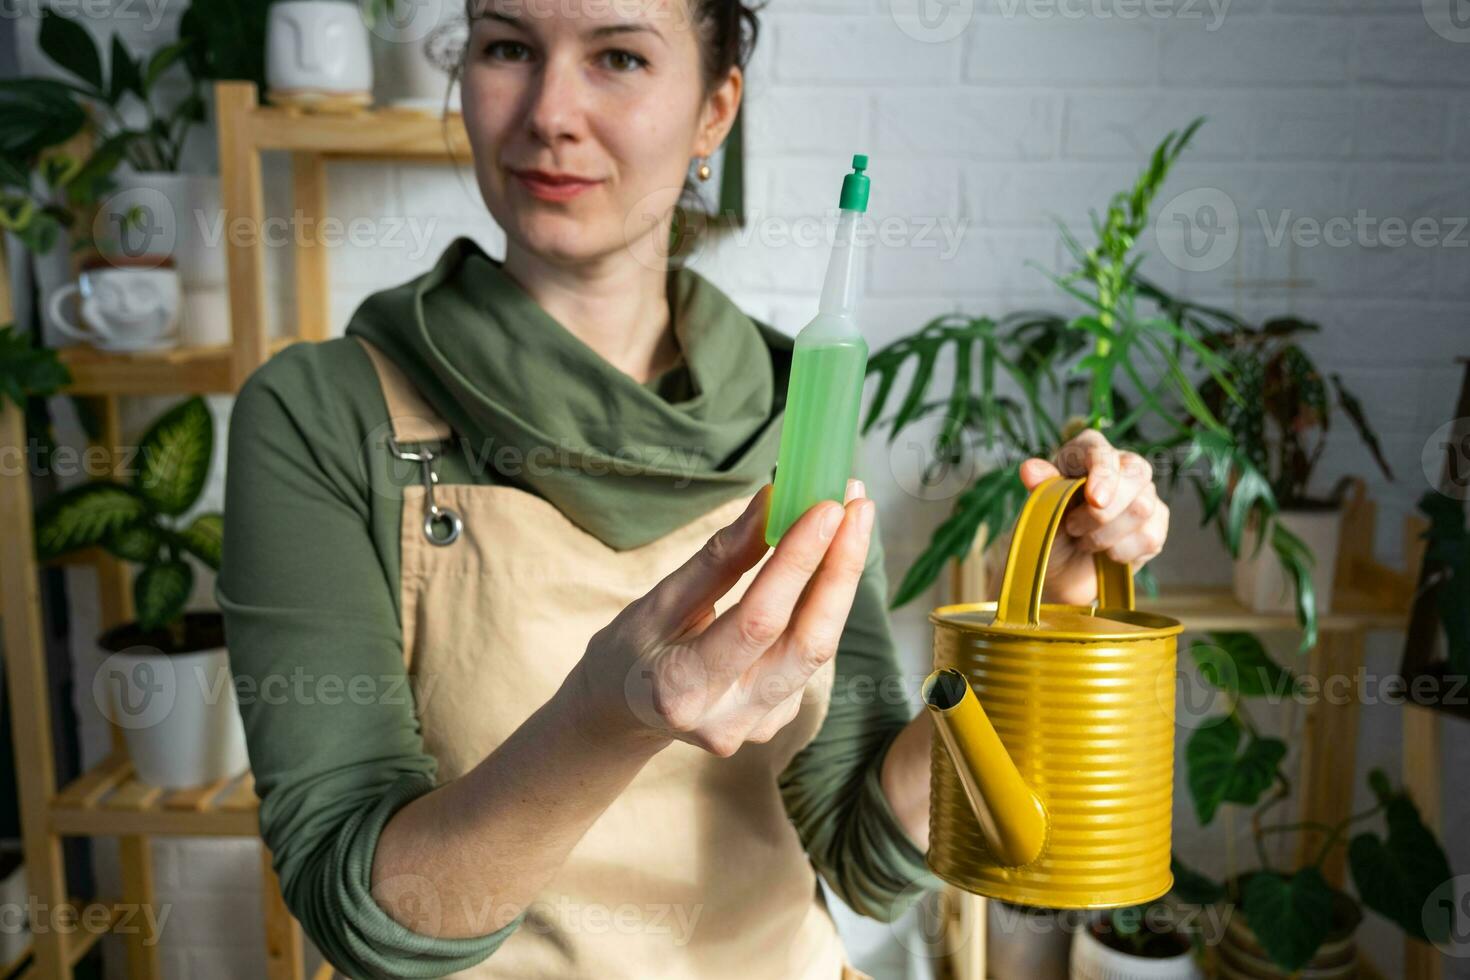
(553, 187)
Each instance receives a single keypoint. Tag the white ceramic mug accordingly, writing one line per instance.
(317, 46)
(125, 305)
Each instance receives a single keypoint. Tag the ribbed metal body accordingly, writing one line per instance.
(1090, 727)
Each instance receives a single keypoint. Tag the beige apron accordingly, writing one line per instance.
(695, 871)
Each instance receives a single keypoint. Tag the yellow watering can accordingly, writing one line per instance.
(1059, 791)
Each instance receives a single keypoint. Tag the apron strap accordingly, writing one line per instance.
(412, 418)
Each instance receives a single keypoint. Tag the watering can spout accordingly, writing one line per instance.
(1011, 816)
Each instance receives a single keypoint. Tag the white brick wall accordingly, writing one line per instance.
(1318, 108)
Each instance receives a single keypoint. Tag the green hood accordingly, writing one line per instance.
(617, 457)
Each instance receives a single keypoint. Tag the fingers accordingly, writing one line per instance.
(1089, 454)
(686, 596)
(1136, 535)
(737, 638)
(1035, 470)
(820, 617)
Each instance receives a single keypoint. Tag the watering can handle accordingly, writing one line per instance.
(1036, 529)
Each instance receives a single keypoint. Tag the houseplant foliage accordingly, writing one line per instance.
(1290, 910)
(138, 520)
(1449, 550)
(1126, 358)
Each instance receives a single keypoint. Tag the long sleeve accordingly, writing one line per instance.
(832, 790)
(316, 648)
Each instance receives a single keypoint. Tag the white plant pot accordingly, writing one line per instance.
(1094, 960)
(182, 217)
(415, 49)
(178, 713)
(15, 933)
(1261, 584)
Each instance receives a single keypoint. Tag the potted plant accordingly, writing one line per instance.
(147, 106)
(167, 681)
(1017, 378)
(417, 49)
(1141, 942)
(1286, 919)
(1282, 420)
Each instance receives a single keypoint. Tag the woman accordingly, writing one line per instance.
(536, 487)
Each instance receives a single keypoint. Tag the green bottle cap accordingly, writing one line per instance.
(855, 186)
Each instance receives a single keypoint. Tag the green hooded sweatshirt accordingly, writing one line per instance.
(309, 586)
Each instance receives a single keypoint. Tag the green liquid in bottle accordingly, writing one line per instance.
(819, 433)
(825, 393)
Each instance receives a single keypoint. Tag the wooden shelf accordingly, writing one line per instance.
(1216, 608)
(110, 800)
(180, 371)
(370, 132)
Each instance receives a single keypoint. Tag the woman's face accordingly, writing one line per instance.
(607, 91)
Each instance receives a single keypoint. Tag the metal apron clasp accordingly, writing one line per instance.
(434, 515)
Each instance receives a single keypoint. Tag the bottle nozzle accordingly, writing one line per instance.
(855, 186)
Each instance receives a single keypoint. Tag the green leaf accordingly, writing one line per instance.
(1217, 774)
(160, 593)
(1354, 411)
(205, 539)
(27, 370)
(175, 454)
(67, 43)
(992, 502)
(83, 516)
(1247, 670)
(1291, 917)
(162, 60)
(36, 113)
(124, 73)
(1397, 877)
(140, 542)
(1297, 561)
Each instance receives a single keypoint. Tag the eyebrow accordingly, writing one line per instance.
(607, 30)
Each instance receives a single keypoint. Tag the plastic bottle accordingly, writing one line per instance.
(824, 394)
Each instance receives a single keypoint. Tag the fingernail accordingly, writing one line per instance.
(830, 520)
(862, 488)
(865, 516)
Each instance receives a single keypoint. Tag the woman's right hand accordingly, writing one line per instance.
(667, 668)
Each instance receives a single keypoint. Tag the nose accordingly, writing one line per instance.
(555, 109)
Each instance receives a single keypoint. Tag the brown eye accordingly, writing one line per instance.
(622, 60)
(506, 50)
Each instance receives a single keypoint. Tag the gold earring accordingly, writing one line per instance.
(704, 170)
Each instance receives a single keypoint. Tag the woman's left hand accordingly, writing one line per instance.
(1121, 514)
